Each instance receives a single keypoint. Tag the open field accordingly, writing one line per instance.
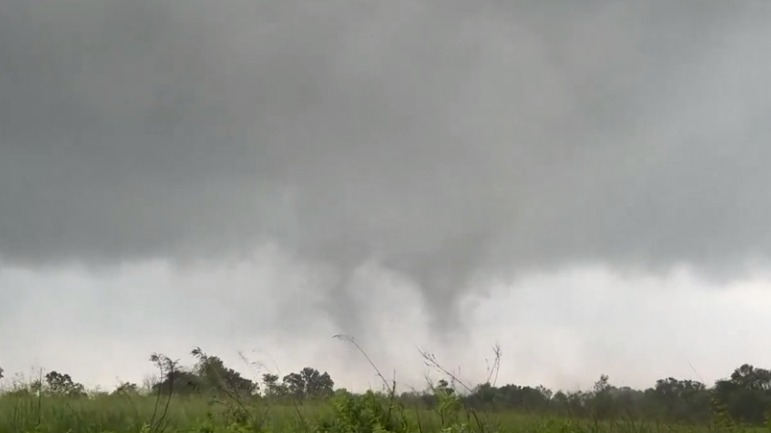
(339, 414)
(211, 397)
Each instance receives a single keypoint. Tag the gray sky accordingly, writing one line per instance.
(584, 183)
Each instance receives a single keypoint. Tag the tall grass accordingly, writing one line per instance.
(341, 414)
(27, 410)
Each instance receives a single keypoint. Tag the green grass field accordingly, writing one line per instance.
(343, 414)
(211, 397)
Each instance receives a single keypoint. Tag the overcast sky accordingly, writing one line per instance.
(585, 183)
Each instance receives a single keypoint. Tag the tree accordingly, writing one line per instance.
(272, 387)
(602, 398)
(62, 384)
(309, 383)
(214, 376)
(746, 395)
(484, 395)
(753, 378)
(317, 384)
(127, 388)
(681, 399)
(179, 382)
(295, 385)
(443, 387)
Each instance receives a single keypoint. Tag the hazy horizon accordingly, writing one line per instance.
(585, 185)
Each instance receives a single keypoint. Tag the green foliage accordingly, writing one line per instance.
(215, 378)
(213, 398)
(746, 395)
(308, 383)
(345, 412)
(127, 388)
(368, 413)
(62, 384)
(272, 386)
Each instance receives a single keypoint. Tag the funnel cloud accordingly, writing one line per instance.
(453, 144)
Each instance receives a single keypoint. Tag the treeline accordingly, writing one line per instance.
(744, 397)
(209, 376)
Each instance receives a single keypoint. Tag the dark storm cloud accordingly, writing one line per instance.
(446, 140)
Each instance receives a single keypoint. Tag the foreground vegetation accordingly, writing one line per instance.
(211, 397)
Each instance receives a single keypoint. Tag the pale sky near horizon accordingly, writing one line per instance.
(585, 184)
